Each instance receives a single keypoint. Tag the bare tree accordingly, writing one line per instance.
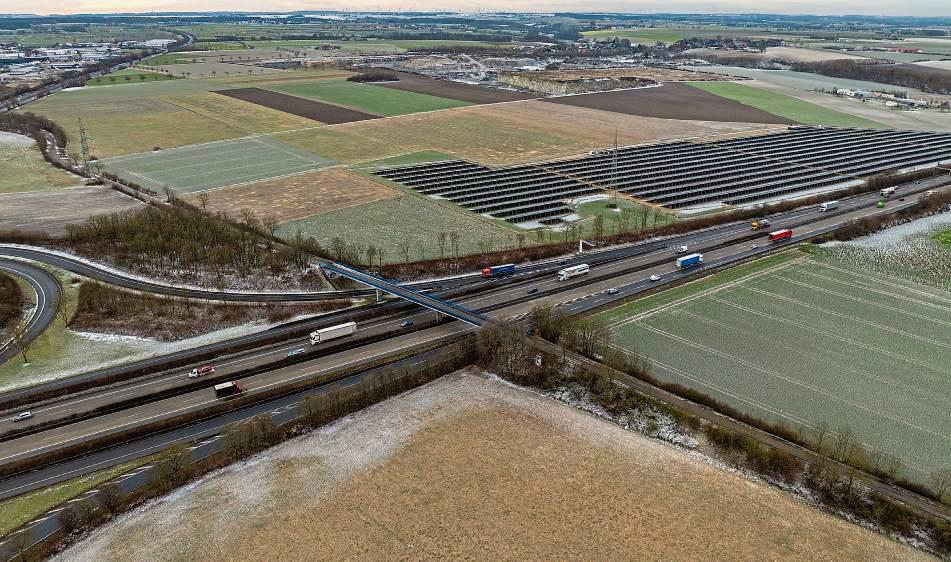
(404, 246)
(941, 482)
(520, 240)
(441, 240)
(454, 242)
(599, 227)
(421, 250)
(111, 497)
(64, 312)
(22, 542)
(843, 445)
(270, 224)
(203, 200)
(371, 253)
(20, 341)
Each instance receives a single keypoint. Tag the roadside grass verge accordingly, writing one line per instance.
(369, 98)
(21, 509)
(785, 106)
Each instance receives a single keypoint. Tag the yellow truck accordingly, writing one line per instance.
(756, 225)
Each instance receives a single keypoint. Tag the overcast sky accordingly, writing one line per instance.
(835, 7)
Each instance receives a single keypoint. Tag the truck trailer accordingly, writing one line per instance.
(779, 235)
(228, 389)
(498, 271)
(573, 271)
(687, 261)
(829, 205)
(333, 332)
(887, 192)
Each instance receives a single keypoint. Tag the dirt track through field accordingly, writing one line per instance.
(672, 101)
(453, 90)
(318, 111)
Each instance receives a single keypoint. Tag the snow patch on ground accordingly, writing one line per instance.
(15, 139)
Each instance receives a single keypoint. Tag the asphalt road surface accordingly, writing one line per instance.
(47, 290)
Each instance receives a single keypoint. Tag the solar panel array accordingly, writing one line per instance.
(680, 174)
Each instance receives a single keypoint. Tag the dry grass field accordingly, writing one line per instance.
(51, 211)
(298, 196)
(242, 115)
(498, 134)
(468, 468)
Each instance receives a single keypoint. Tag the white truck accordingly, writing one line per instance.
(332, 332)
(887, 192)
(573, 271)
(828, 205)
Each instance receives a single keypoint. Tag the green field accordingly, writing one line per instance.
(128, 75)
(21, 509)
(944, 237)
(627, 216)
(793, 339)
(420, 157)
(785, 106)
(166, 113)
(22, 168)
(644, 36)
(389, 223)
(208, 166)
(369, 98)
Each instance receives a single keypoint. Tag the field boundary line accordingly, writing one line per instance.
(791, 380)
(850, 317)
(661, 308)
(883, 279)
(209, 115)
(857, 372)
(831, 335)
(909, 299)
(864, 301)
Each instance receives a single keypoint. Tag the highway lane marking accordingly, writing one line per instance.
(411, 343)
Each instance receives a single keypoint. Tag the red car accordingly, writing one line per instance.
(199, 371)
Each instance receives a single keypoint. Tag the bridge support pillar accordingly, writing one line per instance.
(379, 295)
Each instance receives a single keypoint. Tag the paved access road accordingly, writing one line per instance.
(47, 290)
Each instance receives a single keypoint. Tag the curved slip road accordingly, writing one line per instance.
(48, 293)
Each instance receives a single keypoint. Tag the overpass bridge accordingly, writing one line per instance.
(443, 307)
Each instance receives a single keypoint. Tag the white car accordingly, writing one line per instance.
(22, 416)
(655, 277)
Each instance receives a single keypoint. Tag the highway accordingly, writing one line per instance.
(47, 290)
(470, 282)
(510, 300)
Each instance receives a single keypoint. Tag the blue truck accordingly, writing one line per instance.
(499, 271)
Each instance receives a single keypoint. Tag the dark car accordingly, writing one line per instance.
(533, 290)
(406, 323)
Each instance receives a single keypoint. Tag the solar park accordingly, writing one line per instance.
(680, 174)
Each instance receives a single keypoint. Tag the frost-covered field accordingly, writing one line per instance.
(812, 341)
(908, 251)
(473, 468)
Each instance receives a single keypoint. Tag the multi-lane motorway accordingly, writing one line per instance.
(501, 300)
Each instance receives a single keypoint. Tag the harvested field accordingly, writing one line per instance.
(643, 72)
(802, 341)
(298, 196)
(241, 115)
(473, 469)
(212, 165)
(453, 90)
(499, 134)
(318, 111)
(672, 101)
(51, 211)
(786, 54)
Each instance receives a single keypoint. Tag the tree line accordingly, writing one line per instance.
(904, 75)
(32, 125)
(11, 298)
(176, 238)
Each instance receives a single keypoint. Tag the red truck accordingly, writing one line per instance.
(226, 389)
(784, 234)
